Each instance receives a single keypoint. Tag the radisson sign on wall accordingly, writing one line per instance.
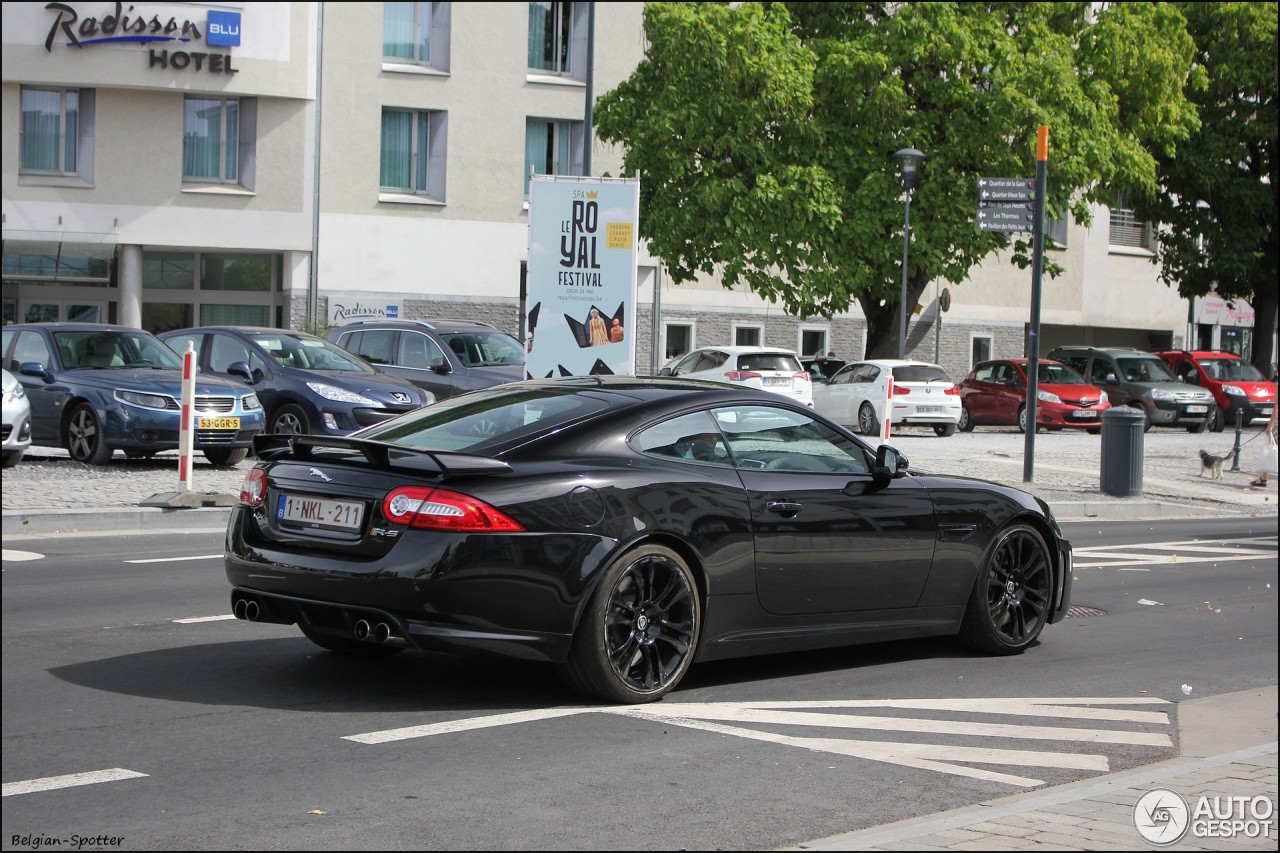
(74, 28)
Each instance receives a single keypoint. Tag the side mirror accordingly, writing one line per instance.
(666, 371)
(441, 367)
(1110, 379)
(890, 464)
(35, 368)
(241, 369)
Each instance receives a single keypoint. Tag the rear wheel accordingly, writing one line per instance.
(1010, 601)
(965, 423)
(868, 423)
(640, 631)
(1094, 430)
(944, 430)
(1217, 419)
(345, 646)
(1022, 419)
(86, 441)
(223, 457)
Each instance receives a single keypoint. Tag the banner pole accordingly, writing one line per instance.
(186, 438)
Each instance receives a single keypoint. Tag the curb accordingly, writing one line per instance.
(123, 518)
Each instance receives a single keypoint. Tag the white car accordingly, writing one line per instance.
(763, 368)
(17, 420)
(923, 394)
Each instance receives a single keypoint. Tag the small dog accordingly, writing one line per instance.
(1212, 464)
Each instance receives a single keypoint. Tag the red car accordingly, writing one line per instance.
(1235, 384)
(995, 393)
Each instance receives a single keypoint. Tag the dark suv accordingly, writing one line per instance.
(1142, 381)
(445, 357)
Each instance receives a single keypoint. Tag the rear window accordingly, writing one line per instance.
(920, 373)
(486, 419)
(770, 361)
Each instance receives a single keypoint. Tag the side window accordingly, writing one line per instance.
(419, 351)
(1100, 369)
(178, 344)
(984, 373)
(31, 347)
(225, 350)
(694, 438)
(783, 440)
(710, 360)
(686, 364)
(843, 376)
(1187, 371)
(374, 346)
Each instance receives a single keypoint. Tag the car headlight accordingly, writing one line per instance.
(1234, 390)
(1046, 397)
(1104, 398)
(340, 395)
(250, 403)
(146, 401)
(1161, 394)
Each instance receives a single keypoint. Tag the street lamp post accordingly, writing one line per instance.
(909, 158)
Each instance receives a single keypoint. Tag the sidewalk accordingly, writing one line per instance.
(1228, 746)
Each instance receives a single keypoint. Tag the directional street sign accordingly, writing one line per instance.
(1005, 204)
(1006, 189)
(1014, 217)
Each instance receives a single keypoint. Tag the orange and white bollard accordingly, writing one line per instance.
(186, 434)
(888, 409)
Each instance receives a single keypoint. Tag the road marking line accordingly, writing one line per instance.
(177, 559)
(52, 783)
(11, 556)
(468, 725)
(194, 619)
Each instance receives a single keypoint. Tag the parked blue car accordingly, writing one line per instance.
(96, 388)
(306, 384)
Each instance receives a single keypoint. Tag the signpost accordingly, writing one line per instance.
(1006, 204)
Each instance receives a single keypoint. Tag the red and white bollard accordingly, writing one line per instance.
(186, 427)
(888, 409)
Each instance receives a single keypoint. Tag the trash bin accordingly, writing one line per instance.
(1122, 430)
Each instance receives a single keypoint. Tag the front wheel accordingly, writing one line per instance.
(12, 458)
(868, 423)
(1010, 601)
(966, 420)
(224, 457)
(289, 420)
(1196, 429)
(1218, 419)
(86, 441)
(640, 630)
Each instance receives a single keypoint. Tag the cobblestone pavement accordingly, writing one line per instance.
(1066, 472)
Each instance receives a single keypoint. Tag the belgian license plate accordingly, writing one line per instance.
(1084, 413)
(320, 512)
(217, 423)
(1264, 410)
(1197, 410)
(929, 410)
(777, 380)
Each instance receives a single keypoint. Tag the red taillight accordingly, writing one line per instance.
(805, 376)
(953, 391)
(741, 375)
(254, 488)
(899, 389)
(441, 509)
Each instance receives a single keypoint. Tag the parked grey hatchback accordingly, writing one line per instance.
(445, 357)
(1142, 381)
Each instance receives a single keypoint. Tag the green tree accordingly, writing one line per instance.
(764, 134)
(1217, 198)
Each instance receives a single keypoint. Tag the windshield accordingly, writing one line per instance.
(1058, 374)
(112, 349)
(1144, 370)
(490, 416)
(484, 349)
(309, 353)
(1226, 369)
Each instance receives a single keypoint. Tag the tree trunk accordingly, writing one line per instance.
(883, 320)
(1264, 329)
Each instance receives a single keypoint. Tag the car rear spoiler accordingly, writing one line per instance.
(379, 454)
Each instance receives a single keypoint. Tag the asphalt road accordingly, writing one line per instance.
(218, 734)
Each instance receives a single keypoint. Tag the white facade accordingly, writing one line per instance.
(180, 251)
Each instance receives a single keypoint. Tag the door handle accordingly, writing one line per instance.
(787, 508)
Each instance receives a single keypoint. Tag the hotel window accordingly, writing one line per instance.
(1126, 229)
(56, 133)
(219, 140)
(416, 34)
(552, 148)
(748, 336)
(413, 153)
(558, 39)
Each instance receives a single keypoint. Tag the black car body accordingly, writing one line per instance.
(306, 384)
(619, 528)
(445, 357)
(96, 388)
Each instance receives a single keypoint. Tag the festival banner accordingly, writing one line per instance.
(581, 283)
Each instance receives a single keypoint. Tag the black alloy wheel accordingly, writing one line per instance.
(868, 423)
(289, 419)
(640, 631)
(86, 441)
(1010, 602)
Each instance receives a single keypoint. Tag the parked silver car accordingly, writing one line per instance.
(17, 420)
